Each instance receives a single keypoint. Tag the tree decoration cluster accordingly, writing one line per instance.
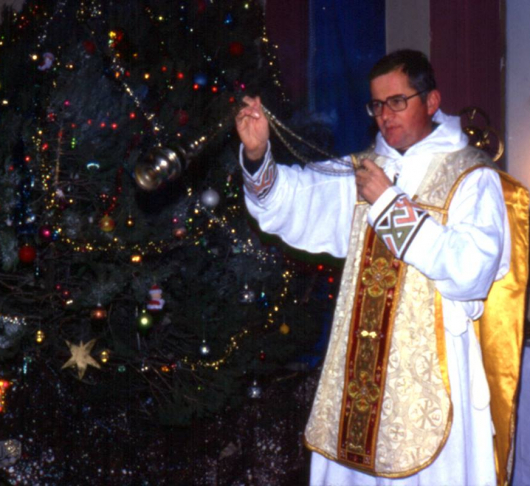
(173, 296)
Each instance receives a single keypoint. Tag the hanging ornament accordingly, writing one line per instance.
(156, 302)
(10, 452)
(204, 348)
(285, 329)
(47, 61)
(93, 166)
(183, 117)
(262, 356)
(89, 46)
(39, 336)
(201, 79)
(145, 321)
(255, 391)
(27, 254)
(236, 49)
(81, 357)
(210, 198)
(180, 232)
(106, 223)
(46, 233)
(98, 313)
(201, 6)
(247, 296)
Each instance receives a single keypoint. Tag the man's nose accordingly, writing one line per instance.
(386, 112)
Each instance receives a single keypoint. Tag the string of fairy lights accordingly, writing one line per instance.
(56, 195)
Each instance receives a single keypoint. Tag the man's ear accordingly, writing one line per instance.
(434, 98)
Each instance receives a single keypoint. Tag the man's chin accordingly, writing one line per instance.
(393, 142)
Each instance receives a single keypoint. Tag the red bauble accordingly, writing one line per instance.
(118, 35)
(182, 117)
(201, 6)
(179, 232)
(236, 49)
(27, 254)
(90, 47)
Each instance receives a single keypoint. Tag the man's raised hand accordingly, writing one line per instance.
(253, 128)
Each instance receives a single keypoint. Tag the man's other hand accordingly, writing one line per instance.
(371, 181)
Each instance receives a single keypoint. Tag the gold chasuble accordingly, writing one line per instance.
(383, 404)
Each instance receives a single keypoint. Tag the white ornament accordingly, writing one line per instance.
(210, 198)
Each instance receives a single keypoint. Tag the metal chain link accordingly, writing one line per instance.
(325, 167)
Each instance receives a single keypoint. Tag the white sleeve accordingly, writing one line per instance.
(473, 249)
(309, 210)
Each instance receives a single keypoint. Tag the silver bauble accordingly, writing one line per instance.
(210, 198)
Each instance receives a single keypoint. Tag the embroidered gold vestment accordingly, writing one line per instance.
(383, 404)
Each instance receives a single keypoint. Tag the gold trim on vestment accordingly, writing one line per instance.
(429, 208)
(440, 340)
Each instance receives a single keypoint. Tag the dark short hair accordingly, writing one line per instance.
(412, 63)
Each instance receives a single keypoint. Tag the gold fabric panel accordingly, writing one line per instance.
(501, 329)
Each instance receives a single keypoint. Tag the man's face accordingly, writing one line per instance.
(402, 129)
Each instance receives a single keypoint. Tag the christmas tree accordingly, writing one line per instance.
(133, 279)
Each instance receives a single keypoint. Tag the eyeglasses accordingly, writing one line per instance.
(395, 103)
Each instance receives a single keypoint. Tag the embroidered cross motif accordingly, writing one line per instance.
(363, 391)
(399, 223)
(379, 277)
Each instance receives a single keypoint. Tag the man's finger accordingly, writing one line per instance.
(250, 112)
(367, 164)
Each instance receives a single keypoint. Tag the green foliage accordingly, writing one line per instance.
(125, 77)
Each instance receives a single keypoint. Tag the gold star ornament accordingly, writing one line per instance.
(81, 357)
